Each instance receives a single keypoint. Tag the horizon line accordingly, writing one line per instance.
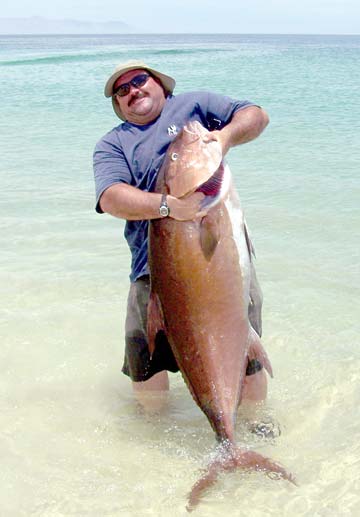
(178, 33)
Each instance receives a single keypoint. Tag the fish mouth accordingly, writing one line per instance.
(216, 187)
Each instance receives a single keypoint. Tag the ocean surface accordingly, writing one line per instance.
(73, 442)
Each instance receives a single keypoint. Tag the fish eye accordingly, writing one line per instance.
(174, 156)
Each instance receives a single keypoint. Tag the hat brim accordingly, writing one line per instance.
(167, 82)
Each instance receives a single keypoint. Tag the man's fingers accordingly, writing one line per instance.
(209, 138)
(200, 215)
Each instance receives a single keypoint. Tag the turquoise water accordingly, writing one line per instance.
(73, 442)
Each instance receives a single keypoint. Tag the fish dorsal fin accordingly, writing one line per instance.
(209, 235)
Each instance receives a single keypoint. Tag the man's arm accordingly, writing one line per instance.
(245, 125)
(128, 202)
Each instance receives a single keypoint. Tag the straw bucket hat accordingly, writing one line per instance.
(167, 82)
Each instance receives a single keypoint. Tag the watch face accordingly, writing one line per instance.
(164, 211)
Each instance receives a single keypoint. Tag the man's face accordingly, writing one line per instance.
(141, 105)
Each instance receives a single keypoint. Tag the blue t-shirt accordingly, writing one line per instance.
(133, 154)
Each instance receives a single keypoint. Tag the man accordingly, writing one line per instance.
(126, 162)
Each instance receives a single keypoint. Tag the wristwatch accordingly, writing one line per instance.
(164, 210)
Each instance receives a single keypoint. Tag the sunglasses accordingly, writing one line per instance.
(137, 82)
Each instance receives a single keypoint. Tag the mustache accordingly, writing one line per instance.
(135, 96)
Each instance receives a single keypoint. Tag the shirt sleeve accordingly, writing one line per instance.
(221, 109)
(110, 167)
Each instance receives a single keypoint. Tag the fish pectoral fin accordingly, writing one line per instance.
(257, 351)
(155, 320)
(209, 236)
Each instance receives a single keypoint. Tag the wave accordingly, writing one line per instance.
(193, 50)
(117, 56)
(50, 60)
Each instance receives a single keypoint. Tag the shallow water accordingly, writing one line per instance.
(72, 440)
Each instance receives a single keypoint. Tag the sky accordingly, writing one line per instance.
(238, 16)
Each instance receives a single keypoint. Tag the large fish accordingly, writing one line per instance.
(200, 280)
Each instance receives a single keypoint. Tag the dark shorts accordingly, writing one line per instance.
(137, 363)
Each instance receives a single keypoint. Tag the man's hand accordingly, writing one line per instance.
(245, 125)
(218, 136)
(187, 208)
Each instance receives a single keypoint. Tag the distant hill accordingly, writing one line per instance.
(39, 25)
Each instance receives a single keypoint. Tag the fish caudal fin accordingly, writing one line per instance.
(229, 459)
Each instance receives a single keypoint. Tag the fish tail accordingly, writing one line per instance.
(230, 459)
